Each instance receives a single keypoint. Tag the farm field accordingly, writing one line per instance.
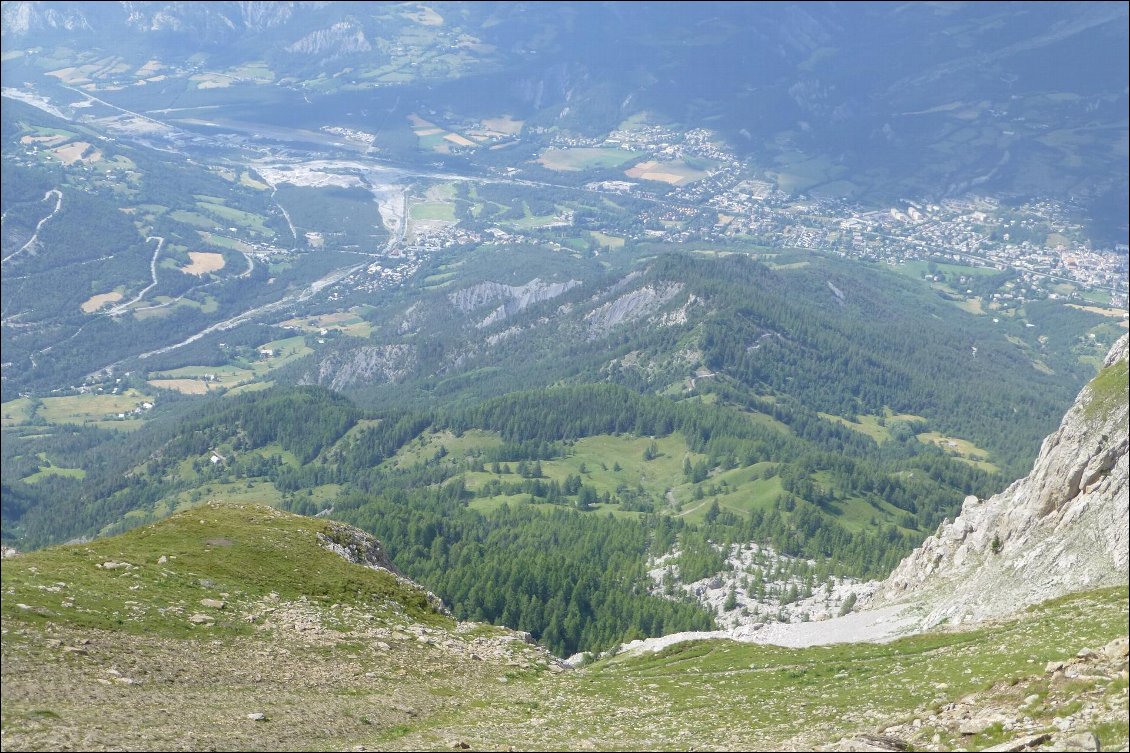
(347, 322)
(199, 380)
(96, 302)
(432, 210)
(17, 412)
(585, 158)
(100, 410)
(675, 173)
(607, 241)
(203, 262)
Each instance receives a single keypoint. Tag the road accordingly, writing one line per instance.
(39, 226)
(123, 307)
(305, 294)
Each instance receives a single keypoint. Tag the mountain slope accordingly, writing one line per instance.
(1062, 528)
(325, 665)
(176, 634)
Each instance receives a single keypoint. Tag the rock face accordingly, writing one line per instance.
(515, 298)
(341, 38)
(366, 365)
(629, 307)
(1063, 528)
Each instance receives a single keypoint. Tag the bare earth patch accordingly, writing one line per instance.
(1113, 313)
(674, 173)
(96, 302)
(504, 125)
(203, 262)
(77, 152)
(47, 141)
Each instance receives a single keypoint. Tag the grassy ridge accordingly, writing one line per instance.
(239, 553)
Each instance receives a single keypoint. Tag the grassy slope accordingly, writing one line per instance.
(240, 553)
(329, 651)
(723, 695)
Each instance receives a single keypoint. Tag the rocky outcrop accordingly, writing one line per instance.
(629, 307)
(515, 298)
(23, 18)
(360, 548)
(366, 365)
(341, 38)
(357, 546)
(1062, 528)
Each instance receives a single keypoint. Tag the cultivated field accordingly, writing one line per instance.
(605, 240)
(102, 410)
(348, 322)
(186, 386)
(198, 380)
(16, 412)
(96, 302)
(676, 173)
(585, 158)
(203, 262)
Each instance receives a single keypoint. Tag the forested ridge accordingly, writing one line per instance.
(489, 472)
(551, 558)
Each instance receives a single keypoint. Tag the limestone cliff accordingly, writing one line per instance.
(1060, 529)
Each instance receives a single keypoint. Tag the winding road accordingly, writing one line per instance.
(123, 307)
(35, 236)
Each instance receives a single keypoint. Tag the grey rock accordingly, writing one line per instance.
(1020, 744)
(200, 619)
(1085, 741)
(213, 603)
(367, 364)
(629, 307)
(342, 38)
(974, 726)
(868, 743)
(1119, 648)
(257, 716)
